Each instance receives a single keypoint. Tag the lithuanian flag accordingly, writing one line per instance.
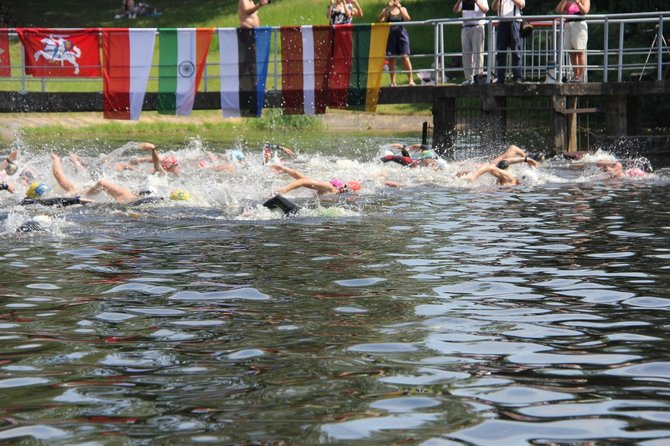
(358, 64)
(183, 54)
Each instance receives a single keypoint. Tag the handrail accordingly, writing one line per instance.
(544, 51)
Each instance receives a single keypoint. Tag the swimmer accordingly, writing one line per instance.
(165, 164)
(321, 187)
(119, 193)
(36, 195)
(271, 152)
(423, 156)
(512, 155)
(213, 162)
(615, 170)
(8, 165)
(503, 177)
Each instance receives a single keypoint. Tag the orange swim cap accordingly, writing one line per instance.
(354, 186)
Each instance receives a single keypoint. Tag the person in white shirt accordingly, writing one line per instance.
(508, 35)
(472, 37)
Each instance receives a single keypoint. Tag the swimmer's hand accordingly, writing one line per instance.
(10, 188)
(146, 146)
(532, 163)
(287, 151)
(86, 200)
(278, 168)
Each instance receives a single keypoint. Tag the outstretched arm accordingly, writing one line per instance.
(155, 158)
(294, 173)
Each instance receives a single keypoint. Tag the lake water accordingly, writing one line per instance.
(439, 313)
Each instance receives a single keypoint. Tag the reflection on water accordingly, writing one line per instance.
(435, 314)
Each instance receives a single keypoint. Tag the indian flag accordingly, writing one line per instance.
(127, 61)
(358, 64)
(183, 55)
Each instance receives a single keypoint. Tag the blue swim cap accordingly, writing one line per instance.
(236, 155)
(36, 190)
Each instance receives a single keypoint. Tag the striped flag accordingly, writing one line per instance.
(183, 54)
(244, 55)
(128, 53)
(5, 65)
(306, 62)
(358, 64)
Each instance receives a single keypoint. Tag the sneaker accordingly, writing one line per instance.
(518, 81)
(575, 80)
(468, 82)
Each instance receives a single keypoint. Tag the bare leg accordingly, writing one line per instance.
(120, 194)
(392, 71)
(408, 67)
(580, 65)
(66, 183)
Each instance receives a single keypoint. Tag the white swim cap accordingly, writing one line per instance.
(529, 176)
(148, 189)
(441, 163)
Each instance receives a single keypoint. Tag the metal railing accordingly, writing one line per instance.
(609, 57)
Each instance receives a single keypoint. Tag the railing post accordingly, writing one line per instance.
(489, 50)
(204, 75)
(606, 40)
(559, 61)
(620, 68)
(437, 50)
(24, 86)
(659, 40)
(276, 57)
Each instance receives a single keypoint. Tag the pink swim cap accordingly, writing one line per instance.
(169, 162)
(336, 182)
(636, 172)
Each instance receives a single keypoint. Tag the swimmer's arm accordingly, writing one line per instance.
(287, 151)
(531, 162)
(8, 187)
(294, 173)
(63, 201)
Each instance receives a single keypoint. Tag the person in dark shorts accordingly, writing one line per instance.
(398, 41)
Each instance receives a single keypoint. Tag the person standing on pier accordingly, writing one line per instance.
(575, 34)
(398, 40)
(472, 38)
(247, 11)
(508, 36)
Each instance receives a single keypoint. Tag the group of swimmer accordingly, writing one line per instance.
(410, 156)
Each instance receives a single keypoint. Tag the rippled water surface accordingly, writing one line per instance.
(434, 314)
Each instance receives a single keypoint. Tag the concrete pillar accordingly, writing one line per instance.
(560, 126)
(444, 125)
(616, 122)
(571, 123)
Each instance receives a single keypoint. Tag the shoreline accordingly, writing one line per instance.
(12, 124)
